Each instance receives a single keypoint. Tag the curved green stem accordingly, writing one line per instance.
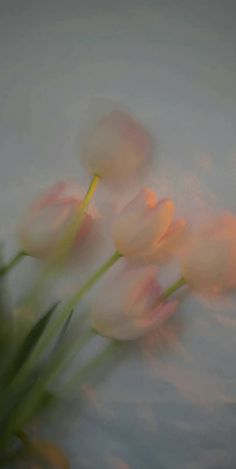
(63, 246)
(61, 318)
(172, 288)
(81, 376)
(113, 345)
(13, 262)
(63, 355)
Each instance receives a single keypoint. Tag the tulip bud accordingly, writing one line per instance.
(48, 218)
(117, 146)
(145, 228)
(209, 258)
(127, 306)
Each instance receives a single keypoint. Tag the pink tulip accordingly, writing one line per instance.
(49, 217)
(117, 146)
(209, 259)
(144, 230)
(127, 307)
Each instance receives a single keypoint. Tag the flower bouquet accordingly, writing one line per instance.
(129, 300)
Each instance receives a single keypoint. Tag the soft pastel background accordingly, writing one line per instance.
(172, 403)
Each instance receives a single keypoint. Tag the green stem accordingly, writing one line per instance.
(13, 262)
(32, 400)
(81, 376)
(61, 317)
(112, 346)
(172, 288)
(63, 247)
(26, 408)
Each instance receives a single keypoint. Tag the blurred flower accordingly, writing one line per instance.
(209, 258)
(170, 244)
(127, 305)
(144, 230)
(117, 146)
(49, 217)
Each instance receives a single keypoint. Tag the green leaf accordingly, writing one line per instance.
(28, 344)
(21, 407)
(47, 400)
(21, 399)
(8, 407)
(26, 408)
(45, 397)
(64, 329)
(25, 402)
(5, 316)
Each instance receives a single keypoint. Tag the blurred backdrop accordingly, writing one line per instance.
(172, 402)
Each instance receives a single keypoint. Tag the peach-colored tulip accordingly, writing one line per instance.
(49, 216)
(209, 258)
(117, 146)
(144, 229)
(127, 306)
(170, 245)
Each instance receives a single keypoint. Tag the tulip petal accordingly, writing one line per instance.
(170, 244)
(159, 223)
(224, 226)
(163, 312)
(137, 327)
(206, 264)
(128, 306)
(116, 146)
(48, 218)
(143, 291)
(135, 210)
(141, 224)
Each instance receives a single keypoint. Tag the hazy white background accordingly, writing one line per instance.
(173, 63)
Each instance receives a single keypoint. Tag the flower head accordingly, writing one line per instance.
(145, 230)
(209, 258)
(117, 146)
(128, 307)
(46, 221)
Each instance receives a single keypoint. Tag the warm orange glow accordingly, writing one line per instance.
(151, 198)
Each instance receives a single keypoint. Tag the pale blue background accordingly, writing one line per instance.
(174, 64)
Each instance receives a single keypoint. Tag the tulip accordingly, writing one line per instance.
(48, 219)
(116, 147)
(144, 230)
(128, 305)
(209, 258)
(170, 245)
